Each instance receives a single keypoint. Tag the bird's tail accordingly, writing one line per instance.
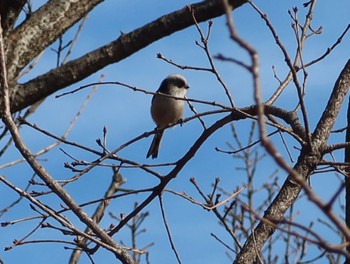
(154, 148)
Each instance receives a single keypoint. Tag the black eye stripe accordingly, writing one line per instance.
(180, 83)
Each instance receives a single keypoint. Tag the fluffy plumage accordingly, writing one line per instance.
(166, 110)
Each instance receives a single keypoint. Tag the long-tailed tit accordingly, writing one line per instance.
(166, 110)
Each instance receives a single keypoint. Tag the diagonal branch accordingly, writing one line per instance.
(127, 44)
(118, 250)
(332, 109)
(236, 114)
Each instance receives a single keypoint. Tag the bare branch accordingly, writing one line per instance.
(168, 230)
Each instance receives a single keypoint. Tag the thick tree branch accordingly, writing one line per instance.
(41, 29)
(332, 109)
(307, 162)
(127, 44)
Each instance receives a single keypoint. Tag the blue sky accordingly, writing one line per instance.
(125, 113)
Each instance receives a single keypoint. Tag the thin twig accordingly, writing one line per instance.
(168, 230)
(204, 41)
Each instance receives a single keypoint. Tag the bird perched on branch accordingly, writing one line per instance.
(166, 109)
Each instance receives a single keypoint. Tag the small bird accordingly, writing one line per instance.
(167, 110)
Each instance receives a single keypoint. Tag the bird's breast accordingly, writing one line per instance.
(165, 110)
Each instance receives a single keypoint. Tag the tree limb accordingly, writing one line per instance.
(236, 114)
